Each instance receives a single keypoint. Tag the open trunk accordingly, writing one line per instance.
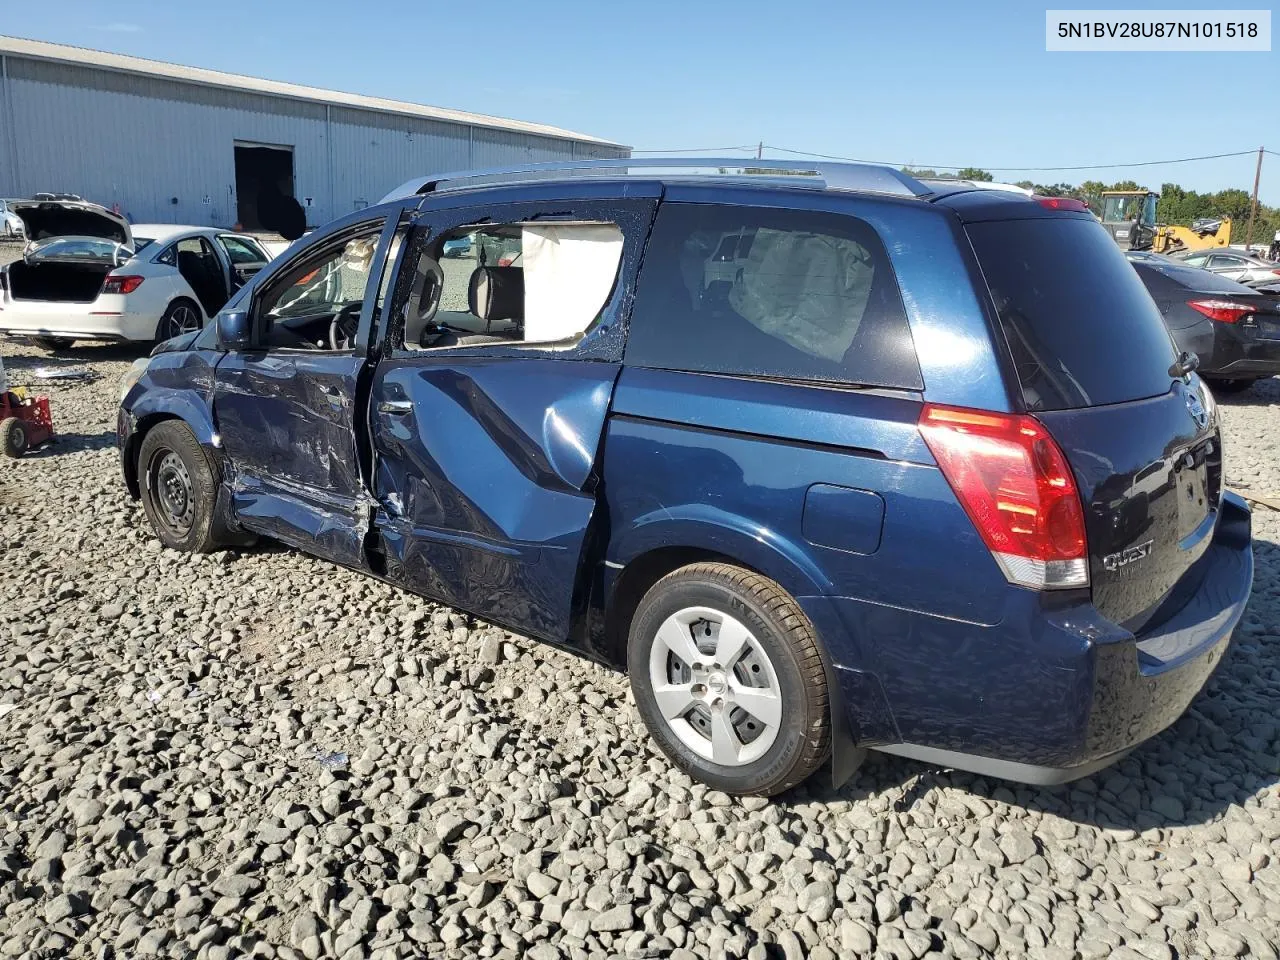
(1097, 367)
(57, 282)
(45, 219)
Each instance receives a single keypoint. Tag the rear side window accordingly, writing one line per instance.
(1081, 326)
(786, 294)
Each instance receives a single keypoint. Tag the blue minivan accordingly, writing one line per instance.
(827, 458)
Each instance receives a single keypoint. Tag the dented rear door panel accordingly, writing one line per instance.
(486, 480)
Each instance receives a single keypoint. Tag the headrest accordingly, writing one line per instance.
(428, 284)
(497, 293)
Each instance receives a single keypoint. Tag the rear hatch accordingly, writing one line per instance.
(1093, 357)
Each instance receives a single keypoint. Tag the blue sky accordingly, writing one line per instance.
(921, 83)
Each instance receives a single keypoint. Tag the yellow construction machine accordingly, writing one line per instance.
(1130, 217)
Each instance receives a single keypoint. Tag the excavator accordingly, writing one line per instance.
(1130, 217)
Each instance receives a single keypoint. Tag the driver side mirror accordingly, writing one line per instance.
(234, 330)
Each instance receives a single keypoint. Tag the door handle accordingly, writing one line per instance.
(397, 407)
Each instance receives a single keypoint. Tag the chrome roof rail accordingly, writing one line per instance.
(816, 175)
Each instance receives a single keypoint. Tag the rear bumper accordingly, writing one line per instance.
(1238, 351)
(75, 321)
(1047, 695)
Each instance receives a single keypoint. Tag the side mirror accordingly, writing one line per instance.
(234, 329)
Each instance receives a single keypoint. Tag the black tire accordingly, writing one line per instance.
(179, 484)
(181, 316)
(53, 344)
(787, 639)
(1230, 386)
(13, 437)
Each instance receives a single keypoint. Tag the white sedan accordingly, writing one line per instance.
(87, 274)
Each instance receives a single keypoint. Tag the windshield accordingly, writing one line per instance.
(78, 248)
(1081, 327)
(1116, 209)
(141, 243)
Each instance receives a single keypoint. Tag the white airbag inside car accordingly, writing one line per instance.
(569, 272)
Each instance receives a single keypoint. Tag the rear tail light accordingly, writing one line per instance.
(1224, 311)
(116, 284)
(1016, 486)
(1063, 203)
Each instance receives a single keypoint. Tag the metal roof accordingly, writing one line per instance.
(84, 57)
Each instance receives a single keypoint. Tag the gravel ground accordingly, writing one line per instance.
(261, 753)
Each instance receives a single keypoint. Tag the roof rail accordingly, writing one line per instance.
(861, 177)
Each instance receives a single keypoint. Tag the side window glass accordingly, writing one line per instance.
(296, 308)
(514, 283)
(168, 256)
(240, 251)
(798, 295)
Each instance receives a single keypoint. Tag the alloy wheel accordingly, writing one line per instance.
(183, 320)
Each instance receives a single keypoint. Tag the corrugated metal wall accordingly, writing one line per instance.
(164, 150)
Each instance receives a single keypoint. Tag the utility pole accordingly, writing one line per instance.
(1253, 210)
(760, 155)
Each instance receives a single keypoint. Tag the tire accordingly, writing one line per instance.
(53, 344)
(179, 484)
(786, 734)
(181, 316)
(1230, 386)
(13, 437)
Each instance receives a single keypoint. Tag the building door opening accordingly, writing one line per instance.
(264, 191)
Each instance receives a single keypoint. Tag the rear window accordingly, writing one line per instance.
(1081, 326)
(784, 294)
(1199, 281)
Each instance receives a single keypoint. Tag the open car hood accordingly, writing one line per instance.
(71, 218)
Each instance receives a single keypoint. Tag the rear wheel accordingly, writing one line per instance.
(729, 679)
(53, 344)
(13, 437)
(183, 316)
(179, 487)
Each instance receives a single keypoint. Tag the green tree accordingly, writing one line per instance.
(974, 173)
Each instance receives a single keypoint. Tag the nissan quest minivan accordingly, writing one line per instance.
(825, 457)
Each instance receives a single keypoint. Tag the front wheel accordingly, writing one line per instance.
(13, 437)
(728, 677)
(179, 487)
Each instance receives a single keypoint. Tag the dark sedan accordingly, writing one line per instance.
(1234, 329)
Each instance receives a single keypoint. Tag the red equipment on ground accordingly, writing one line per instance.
(24, 422)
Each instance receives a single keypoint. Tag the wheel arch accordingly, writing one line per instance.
(155, 408)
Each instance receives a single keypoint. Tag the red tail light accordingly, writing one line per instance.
(115, 284)
(1016, 486)
(1063, 203)
(1224, 311)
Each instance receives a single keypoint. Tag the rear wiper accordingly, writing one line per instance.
(1186, 364)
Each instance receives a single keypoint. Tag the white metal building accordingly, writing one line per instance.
(174, 144)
